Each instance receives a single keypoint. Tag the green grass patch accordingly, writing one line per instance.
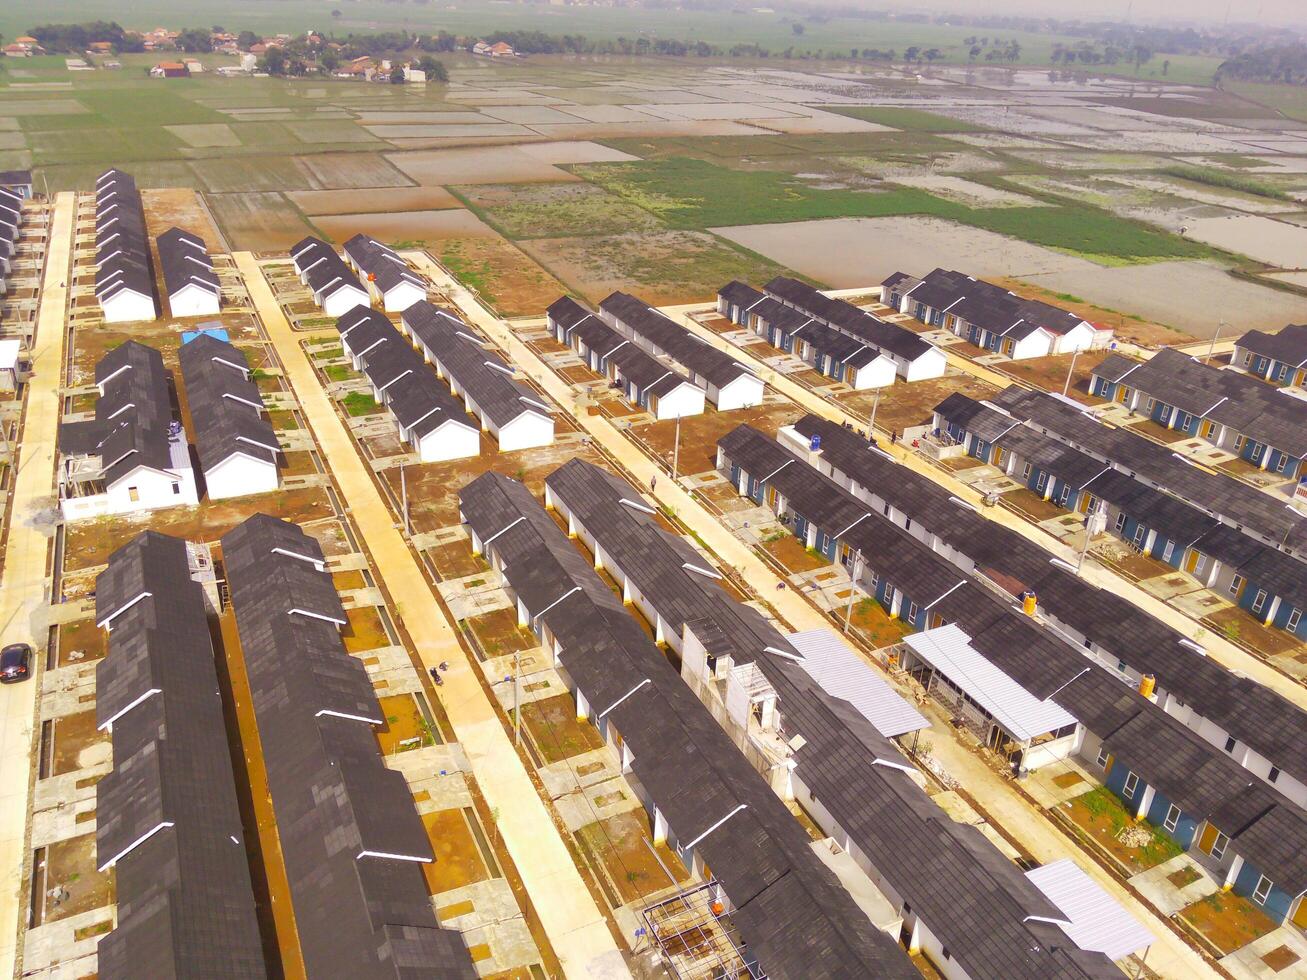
(524, 211)
(358, 403)
(337, 372)
(692, 194)
(912, 120)
(1226, 180)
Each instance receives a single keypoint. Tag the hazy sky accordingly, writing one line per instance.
(1242, 11)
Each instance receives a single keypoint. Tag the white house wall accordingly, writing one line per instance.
(452, 440)
(526, 431)
(400, 298)
(192, 300)
(126, 306)
(1036, 344)
(879, 373)
(343, 300)
(239, 475)
(682, 401)
(744, 392)
(929, 365)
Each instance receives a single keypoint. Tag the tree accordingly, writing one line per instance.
(974, 53)
(797, 28)
(274, 61)
(246, 40)
(335, 13)
(433, 69)
(195, 39)
(329, 61)
(933, 54)
(1166, 66)
(912, 54)
(397, 75)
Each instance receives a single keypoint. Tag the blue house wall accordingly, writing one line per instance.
(1277, 901)
(1186, 827)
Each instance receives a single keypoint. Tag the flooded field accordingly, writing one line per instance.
(848, 252)
(1265, 239)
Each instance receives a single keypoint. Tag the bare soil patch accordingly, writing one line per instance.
(377, 199)
(262, 222)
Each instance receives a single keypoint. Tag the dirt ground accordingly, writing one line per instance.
(1049, 373)
(91, 542)
(404, 722)
(458, 861)
(78, 743)
(180, 208)
(699, 433)
(555, 730)
(433, 487)
(70, 865)
(905, 404)
(1136, 331)
(498, 633)
(1100, 815)
(82, 637)
(790, 552)
(620, 843)
(364, 631)
(1227, 920)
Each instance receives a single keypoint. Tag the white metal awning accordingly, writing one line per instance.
(949, 651)
(1096, 921)
(842, 674)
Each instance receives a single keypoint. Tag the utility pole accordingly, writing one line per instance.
(1212, 346)
(676, 449)
(871, 425)
(1070, 371)
(1090, 516)
(517, 698)
(403, 489)
(853, 590)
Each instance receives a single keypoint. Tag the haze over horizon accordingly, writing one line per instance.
(1278, 12)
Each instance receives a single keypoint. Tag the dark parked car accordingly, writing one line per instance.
(15, 663)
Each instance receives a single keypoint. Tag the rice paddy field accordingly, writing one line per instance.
(534, 176)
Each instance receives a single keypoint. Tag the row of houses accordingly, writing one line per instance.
(390, 281)
(335, 287)
(352, 843)
(429, 418)
(133, 455)
(1267, 426)
(819, 724)
(1267, 582)
(1030, 693)
(11, 228)
(914, 358)
(507, 409)
(1252, 724)
(124, 282)
(831, 353)
(991, 317)
(167, 818)
(1280, 357)
(768, 886)
(725, 381)
(645, 381)
(237, 447)
(189, 280)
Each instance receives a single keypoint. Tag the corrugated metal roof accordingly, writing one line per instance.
(1098, 923)
(949, 651)
(842, 674)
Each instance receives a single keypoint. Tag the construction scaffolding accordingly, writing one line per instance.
(693, 930)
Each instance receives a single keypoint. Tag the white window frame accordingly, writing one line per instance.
(1120, 521)
(1103, 756)
(1172, 819)
(1260, 893)
(1238, 442)
(913, 610)
(1259, 601)
(1236, 584)
(1295, 617)
(1130, 785)
(1140, 533)
(1168, 551)
(1025, 473)
(1219, 845)
(1042, 482)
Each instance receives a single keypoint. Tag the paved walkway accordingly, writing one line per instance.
(1218, 647)
(1170, 956)
(577, 930)
(24, 583)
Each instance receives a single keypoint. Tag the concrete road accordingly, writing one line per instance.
(576, 928)
(1170, 956)
(24, 585)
